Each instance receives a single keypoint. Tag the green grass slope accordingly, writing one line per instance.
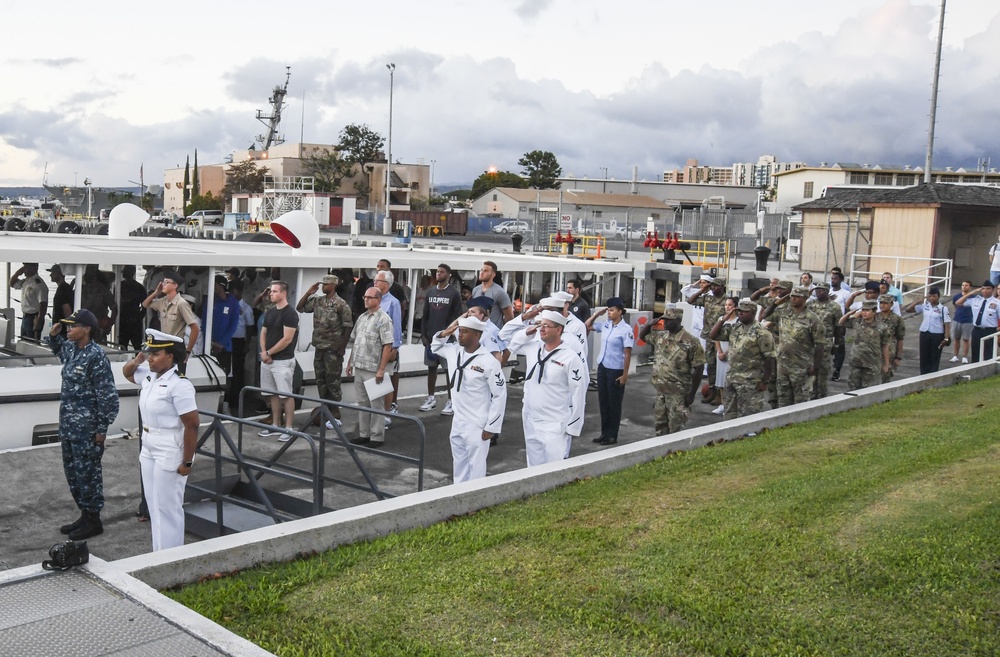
(874, 532)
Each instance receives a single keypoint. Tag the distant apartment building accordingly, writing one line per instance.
(808, 183)
(760, 173)
(693, 173)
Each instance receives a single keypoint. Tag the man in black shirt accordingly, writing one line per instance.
(442, 307)
(62, 302)
(277, 356)
(578, 306)
(132, 313)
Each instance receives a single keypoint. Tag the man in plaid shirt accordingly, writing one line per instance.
(373, 338)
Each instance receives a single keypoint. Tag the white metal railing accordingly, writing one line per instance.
(927, 272)
(993, 337)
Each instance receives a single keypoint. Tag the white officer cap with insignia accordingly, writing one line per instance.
(472, 323)
(160, 340)
(553, 316)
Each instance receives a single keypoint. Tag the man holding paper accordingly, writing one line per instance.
(373, 337)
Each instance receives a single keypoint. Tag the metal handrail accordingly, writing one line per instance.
(932, 277)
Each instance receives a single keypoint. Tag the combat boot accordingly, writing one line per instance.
(91, 526)
(717, 398)
(66, 529)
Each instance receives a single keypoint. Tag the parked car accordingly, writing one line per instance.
(632, 234)
(206, 217)
(505, 227)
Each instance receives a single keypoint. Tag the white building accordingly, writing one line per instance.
(808, 183)
(760, 173)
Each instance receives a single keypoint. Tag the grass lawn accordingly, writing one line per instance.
(874, 532)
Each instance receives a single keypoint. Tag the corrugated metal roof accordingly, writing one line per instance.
(593, 199)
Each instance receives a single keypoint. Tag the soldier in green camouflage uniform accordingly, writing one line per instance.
(332, 324)
(751, 360)
(897, 332)
(829, 313)
(801, 346)
(711, 297)
(766, 303)
(870, 352)
(677, 366)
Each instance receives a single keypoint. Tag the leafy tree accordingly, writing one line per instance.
(359, 144)
(195, 185)
(113, 198)
(328, 168)
(487, 180)
(203, 202)
(147, 202)
(542, 169)
(243, 178)
(187, 180)
(420, 203)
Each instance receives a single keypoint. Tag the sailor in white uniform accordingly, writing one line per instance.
(555, 389)
(574, 334)
(478, 395)
(169, 433)
(480, 307)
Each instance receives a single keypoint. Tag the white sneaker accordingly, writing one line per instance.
(965, 361)
(284, 438)
(720, 410)
(329, 425)
(266, 433)
(954, 359)
(394, 409)
(447, 410)
(429, 403)
(388, 423)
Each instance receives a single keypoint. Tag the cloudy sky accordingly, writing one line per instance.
(648, 83)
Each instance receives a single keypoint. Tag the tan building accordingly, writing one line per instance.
(918, 223)
(694, 173)
(583, 208)
(409, 181)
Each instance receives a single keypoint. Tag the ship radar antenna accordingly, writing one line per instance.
(273, 120)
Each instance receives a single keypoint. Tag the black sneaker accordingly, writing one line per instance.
(608, 441)
(836, 376)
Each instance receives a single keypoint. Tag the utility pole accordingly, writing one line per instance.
(934, 98)
(387, 223)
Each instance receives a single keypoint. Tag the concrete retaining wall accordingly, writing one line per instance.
(287, 541)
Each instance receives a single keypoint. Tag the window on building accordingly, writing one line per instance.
(655, 216)
(859, 178)
(597, 214)
(905, 179)
(883, 178)
(948, 179)
(807, 190)
(494, 197)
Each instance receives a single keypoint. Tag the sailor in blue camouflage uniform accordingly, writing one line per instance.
(89, 404)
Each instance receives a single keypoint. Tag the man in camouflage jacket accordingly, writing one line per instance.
(88, 405)
(801, 346)
(751, 360)
(332, 324)
(829, 313)
(677, 366)
(870, 353)
(712, 297)
(897, 332)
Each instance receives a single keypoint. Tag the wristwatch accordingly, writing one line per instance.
(188, 464)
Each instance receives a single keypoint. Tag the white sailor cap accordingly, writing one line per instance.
(706, 277)
(473, 323)
(562, 295)
(160, 340)
(552, 302)
(553, 316)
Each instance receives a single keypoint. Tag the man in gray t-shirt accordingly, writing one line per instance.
(502, 310)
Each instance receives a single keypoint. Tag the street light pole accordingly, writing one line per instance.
(387, 224)
(432, 181)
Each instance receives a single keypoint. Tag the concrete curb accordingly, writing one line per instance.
(287, 541)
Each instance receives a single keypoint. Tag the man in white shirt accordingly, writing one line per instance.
(34, 299)
(935, 327)
(995, 264)
(555, 390)
(985, 311)
(478, 395)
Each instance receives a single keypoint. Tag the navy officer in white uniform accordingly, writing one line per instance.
(555, 389)
(169, 433)
(985, 317)
(478, 394)
(574, 331)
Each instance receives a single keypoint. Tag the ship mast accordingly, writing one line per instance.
(273, 120)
